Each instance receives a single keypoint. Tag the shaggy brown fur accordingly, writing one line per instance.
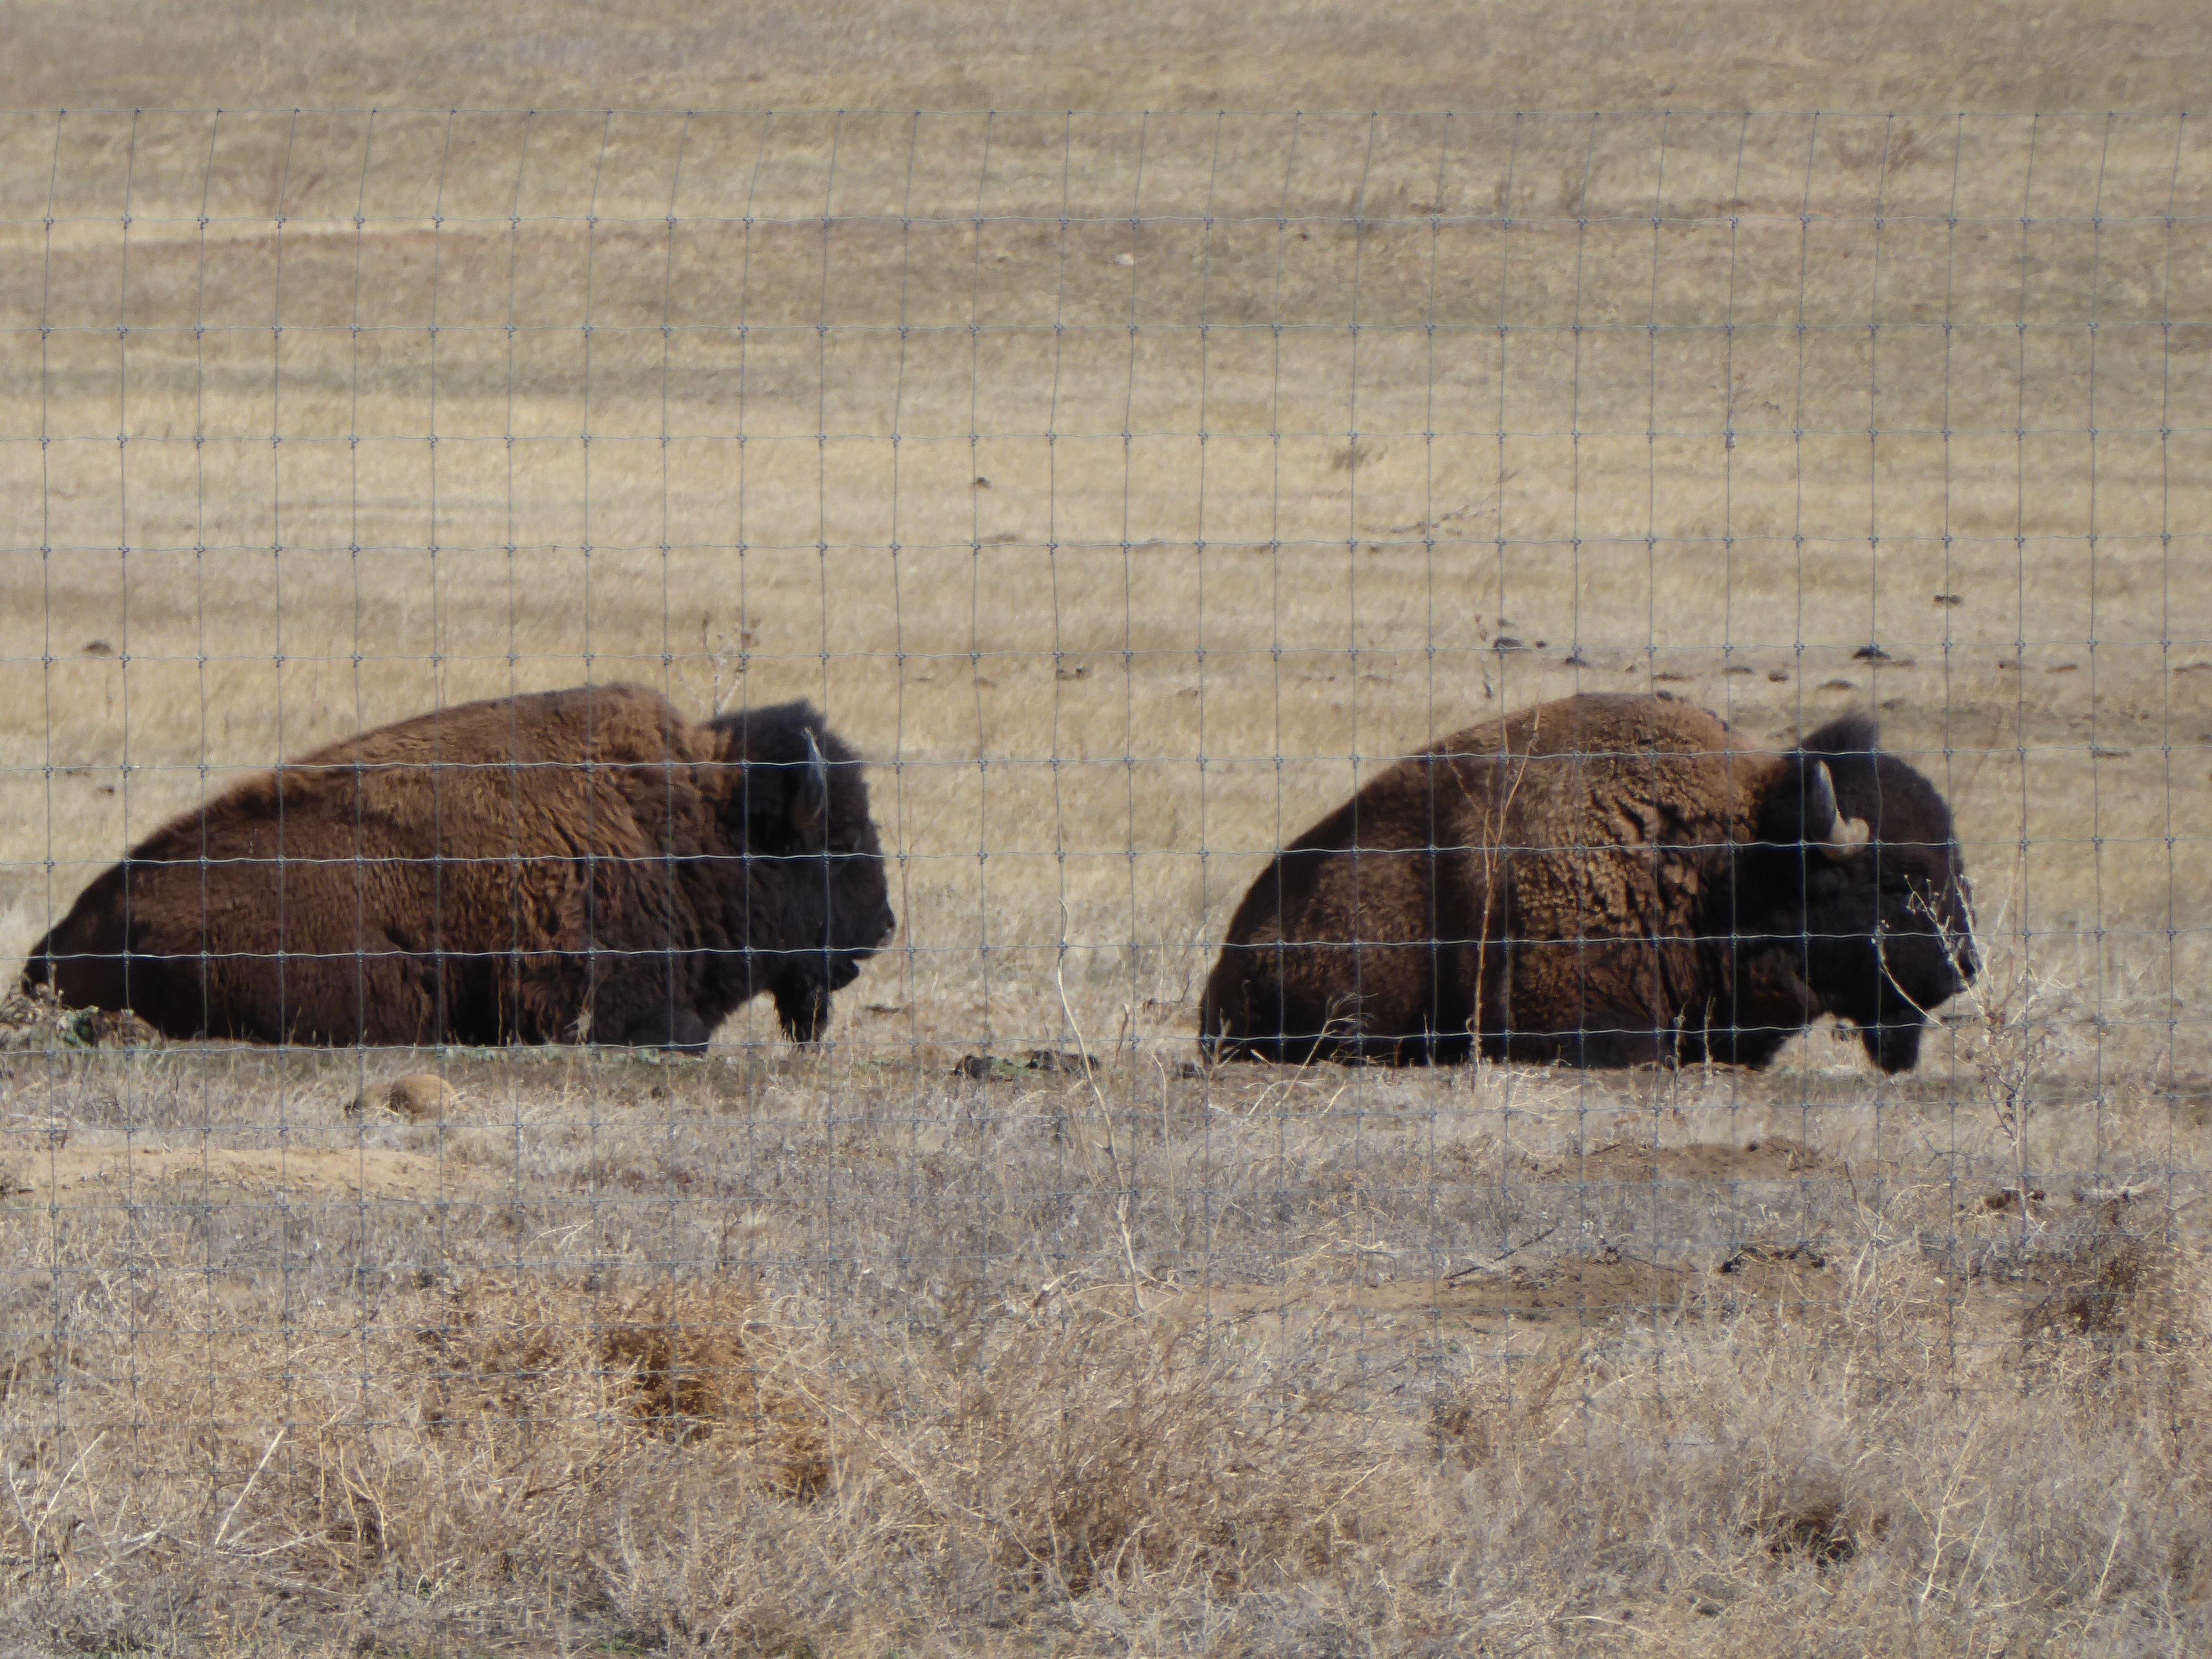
(581, 864)
(1603, 879)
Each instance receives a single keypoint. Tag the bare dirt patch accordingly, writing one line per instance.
(1591, 1292)
(89, 1171)
(1774, 1159)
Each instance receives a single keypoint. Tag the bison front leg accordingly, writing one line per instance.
(1894, 1044)
(803, 1006)
(658, 1025)
(678, 1028)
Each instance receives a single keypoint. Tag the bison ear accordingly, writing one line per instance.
(810, 802)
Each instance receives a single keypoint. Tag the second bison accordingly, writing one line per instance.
(1604, 880)
(580, 865)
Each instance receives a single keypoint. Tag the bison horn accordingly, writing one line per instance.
(812, 804)
(1825, 824)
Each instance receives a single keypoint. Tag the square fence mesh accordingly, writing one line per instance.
(1126, 490)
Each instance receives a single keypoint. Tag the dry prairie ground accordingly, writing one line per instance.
(1193, 54)
(764, 1354)
(1126, 487)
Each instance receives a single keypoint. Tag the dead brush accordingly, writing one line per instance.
(2125, 1307)
(1510, 1405)
(505, 1414)
(1100, 1449)
(2021, 1023)
(1824, 1528)
(683, 1362)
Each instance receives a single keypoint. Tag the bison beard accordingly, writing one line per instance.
(577, 865)
(1603, 880)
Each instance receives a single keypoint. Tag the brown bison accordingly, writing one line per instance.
(1604, 880)
(580, 865)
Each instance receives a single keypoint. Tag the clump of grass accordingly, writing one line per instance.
(1090, 1449)
(683, 1361)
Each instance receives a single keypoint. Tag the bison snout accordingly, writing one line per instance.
(1893, 1046)
(889, 927)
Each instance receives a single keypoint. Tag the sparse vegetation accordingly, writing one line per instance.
(770, 1354)
(1079, 1350)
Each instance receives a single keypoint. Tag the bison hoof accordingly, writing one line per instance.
(688, 1033)
(804, 1009)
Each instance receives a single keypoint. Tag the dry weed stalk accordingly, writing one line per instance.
(2017, 1032)
(728, 654)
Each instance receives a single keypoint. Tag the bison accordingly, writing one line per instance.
(1604, 880)
(573, 866)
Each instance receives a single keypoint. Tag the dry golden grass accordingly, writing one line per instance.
(764, 1355)
(960, 54)
(1042, 451)
(1117, 545)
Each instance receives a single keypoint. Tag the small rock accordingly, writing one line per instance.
(119, 1028)
(1051, 1059)
(418, 1095)
(987, 1068)
(98, 648)
(1780, 676)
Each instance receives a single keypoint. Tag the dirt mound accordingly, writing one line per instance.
(418, 1096)
(1584, 1291)
(1628, 1161)
(91, 1171)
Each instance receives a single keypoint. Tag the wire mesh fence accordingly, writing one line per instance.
(1128, 491)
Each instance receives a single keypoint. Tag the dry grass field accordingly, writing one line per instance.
(1126, 487)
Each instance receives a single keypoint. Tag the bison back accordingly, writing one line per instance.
(1538, 885)
(463, 877)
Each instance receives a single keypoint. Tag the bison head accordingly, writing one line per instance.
(1864, 844)
(818, 904)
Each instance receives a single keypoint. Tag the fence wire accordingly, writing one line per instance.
(1128, 491)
